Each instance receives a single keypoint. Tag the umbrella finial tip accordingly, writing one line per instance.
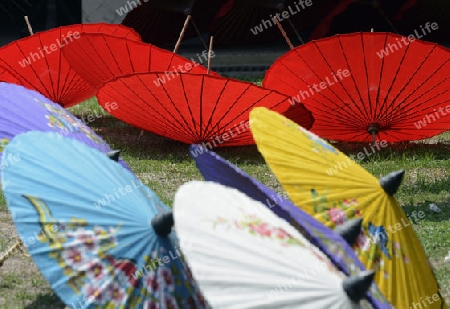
(357, 286)
(391, 182)
(114, 155)
(350, 230)
(163, 223)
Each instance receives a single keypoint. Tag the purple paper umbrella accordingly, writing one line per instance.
(335, 244)
(23, 110)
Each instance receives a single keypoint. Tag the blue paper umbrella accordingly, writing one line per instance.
(334, 244)
(100, 237)
(23, 110)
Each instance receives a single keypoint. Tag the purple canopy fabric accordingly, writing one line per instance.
(23, 110)
(215, 168)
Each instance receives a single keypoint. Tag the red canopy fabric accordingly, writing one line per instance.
(36, 62)
(5, 76)
(361, 82)
(100, 57)
(191, 108)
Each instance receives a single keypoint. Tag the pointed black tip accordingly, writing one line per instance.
(163, 223)
(350, 230)
(114, 155)
(391, 182)
(357, 286)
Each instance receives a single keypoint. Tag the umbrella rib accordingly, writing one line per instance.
(412, 77)
(143, 111)
(194, 133)
(386, 106)
(180, 126)
(377, 102)
(369, 101)
(399, 109)
(201, 106)
(208, 126)
(357, 106)
(340, 109)
(219, 127)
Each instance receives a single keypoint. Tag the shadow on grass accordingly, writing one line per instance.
(125, 137)
(47, 301)
(148, 146)
(438, 151)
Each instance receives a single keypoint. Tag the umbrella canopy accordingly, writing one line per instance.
(100, 57)
(191, 108)
(36, 62)
(258, 260)
(415, 15)
(359, 15)
(160, 21)
(337, 247)
(363, 86)
(98, 235)
(23, 110)
(333, 188)
(5, 76)
(246, 22)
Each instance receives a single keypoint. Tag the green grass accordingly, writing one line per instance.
(164, 165)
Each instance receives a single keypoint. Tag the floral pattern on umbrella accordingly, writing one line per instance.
(3, 143)
(373, 241)
(256, 226)
(108, 281)
(59, 118)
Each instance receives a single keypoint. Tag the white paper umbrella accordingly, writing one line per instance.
(244, 256)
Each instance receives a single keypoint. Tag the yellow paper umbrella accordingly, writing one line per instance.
(332, 187)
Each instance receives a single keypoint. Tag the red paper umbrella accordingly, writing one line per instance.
(364, 84)
(358, 15)
(416, 15)
(36, 62)
(99, 57)
(5, 76)
(242, 22)
(160, 21)
(192, 108)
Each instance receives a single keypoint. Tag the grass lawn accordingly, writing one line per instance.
(164, 165)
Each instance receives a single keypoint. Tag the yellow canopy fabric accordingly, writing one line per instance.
(333, 188)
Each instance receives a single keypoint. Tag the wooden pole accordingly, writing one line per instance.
(186, 23)
(29, 25)
(210, 52)
(283, 33)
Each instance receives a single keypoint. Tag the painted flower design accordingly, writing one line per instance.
(74, 257)
(168, 302)
(200, 299)
(150, 304)
(96, 271)
(362, 240)
(3, 143)
(166, 279)
(337, 216)
(260, 228)
(282, 234)
(256, 226)
(100, 296)
(117, 293)
(151, 283)
(86, 238)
